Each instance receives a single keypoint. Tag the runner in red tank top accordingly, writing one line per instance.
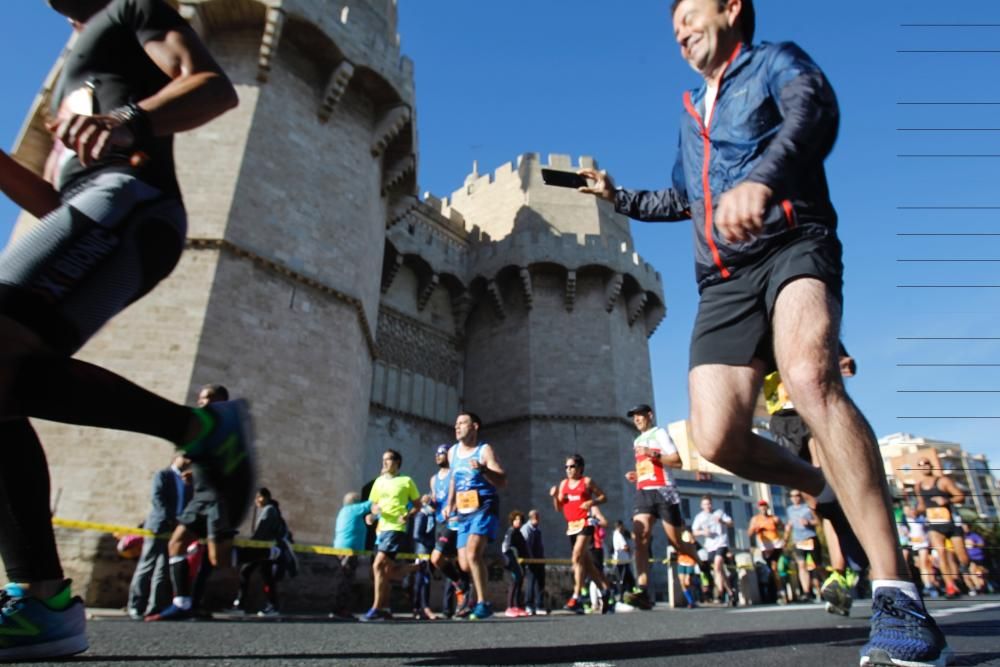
(574, 496)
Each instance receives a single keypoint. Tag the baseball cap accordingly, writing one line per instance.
(442, 449)
(639, 409)
(762, 503)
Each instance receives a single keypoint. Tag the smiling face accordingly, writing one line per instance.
(706, 33)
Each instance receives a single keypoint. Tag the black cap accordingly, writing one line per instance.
(640, 409)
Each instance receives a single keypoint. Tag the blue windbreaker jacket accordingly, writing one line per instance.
(774, 122)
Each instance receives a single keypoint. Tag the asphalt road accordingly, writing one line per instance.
(766, 635)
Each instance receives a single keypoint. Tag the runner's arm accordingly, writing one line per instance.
(601, 519)
(955, 493)
(598, 497)
(491, 468)
(26, 188)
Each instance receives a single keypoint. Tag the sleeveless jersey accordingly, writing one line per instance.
(937, 515)
(440, 492)
(649, 470)
(573, 497)
(472, 490)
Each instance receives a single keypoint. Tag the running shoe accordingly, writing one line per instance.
(834, 593)
(513, 612)
(30, 629)
(375, 615)
(270, 611)
(639, 599)
(480, 611)
(171, 613)
(463, 606)
(951, 591)
(903, 633)
(574, 605)
(226, 456)
(607, 601)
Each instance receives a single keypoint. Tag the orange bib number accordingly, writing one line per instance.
(805, 545)
(644, 469)
(938, 514)
(574, 527)
(467, 501)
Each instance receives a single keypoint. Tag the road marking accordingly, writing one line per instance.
(773, 608)
(983, 606)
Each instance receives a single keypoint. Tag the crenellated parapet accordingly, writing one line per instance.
(547, 231)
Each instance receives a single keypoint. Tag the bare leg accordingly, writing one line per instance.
(722, 404)
(475, 548)
(806, 324)
(641, 525)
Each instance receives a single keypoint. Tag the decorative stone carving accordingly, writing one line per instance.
(613, 289)
(335, 88)
(273, 23)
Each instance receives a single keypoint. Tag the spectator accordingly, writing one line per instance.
(532, 532)
(149, 592)
(270, 527)
(423, 533)
(514, 547)
(621, 542)
(350, 532)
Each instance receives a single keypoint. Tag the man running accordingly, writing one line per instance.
(713, 526)
(394, 499)
(475, 476)
(574, 496)
(800, 530)
(204, 518)
(656, 497)
(937, 496)
(111, 226)
(749, 174)
(766, 528)
(445, 546)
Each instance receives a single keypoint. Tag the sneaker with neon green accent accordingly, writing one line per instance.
(226, 455)
(835, 593)
(30, 629)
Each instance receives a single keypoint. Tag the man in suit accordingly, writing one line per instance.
(171, 492)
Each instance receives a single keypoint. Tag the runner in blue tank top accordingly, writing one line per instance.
(475, 476)
(456, 592)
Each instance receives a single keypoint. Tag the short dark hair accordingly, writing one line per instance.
(578, 460)
(264, 493)
(216, 392)
(707, 497)
(748, 17)
(396, 456)
(473, 416)
(513, 515)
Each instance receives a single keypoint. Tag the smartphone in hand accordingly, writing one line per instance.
(563, 179)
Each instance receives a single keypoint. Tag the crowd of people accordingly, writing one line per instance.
(749, 174)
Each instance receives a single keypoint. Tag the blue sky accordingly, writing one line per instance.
(589, 77)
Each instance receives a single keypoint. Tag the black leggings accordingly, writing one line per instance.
(96, 281)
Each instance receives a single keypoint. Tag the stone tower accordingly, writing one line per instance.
(277, 295)
(530, 304)
(352, 314)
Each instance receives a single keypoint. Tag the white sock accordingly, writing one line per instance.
(182, 601)
(907, 587)
(826, 495)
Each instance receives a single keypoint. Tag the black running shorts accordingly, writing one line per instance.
(733, 324)
(660, 503)
(113, 239)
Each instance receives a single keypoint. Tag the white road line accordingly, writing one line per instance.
(983, 606)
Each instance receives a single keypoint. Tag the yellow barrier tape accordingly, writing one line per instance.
(261, 544)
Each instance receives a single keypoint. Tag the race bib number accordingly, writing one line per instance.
(574, 527)
(939, 515)
(805, 545)
(467, 501)
(644, 469)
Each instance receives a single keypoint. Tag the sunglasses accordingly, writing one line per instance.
(569, 467)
